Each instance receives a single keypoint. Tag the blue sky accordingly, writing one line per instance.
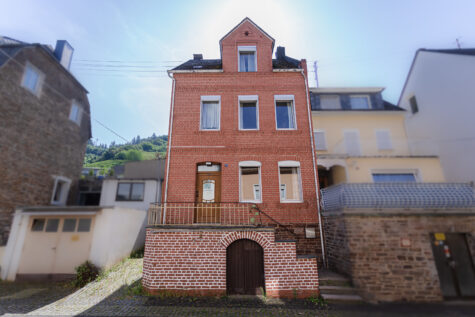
(356, 43)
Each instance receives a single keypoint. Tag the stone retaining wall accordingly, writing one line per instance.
(368, 246)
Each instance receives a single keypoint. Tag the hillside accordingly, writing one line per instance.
(105, 157)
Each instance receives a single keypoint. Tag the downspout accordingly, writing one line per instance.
(169, 146)
(314, 169)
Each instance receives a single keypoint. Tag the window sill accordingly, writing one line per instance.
(251, 201)
(291, 201)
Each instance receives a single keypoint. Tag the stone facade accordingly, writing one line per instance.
(37, 139)
(367, 246)
(193, 262)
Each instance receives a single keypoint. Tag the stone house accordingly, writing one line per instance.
(44, 127)
(240, 211)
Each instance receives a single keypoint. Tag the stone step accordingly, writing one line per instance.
(330, 289)
(342, 298)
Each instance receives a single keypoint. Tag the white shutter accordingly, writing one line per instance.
(320, 141)
(383, 139)
(352, 143)
(330, 102)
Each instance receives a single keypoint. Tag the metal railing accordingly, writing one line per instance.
(186, 213)
(398, 195)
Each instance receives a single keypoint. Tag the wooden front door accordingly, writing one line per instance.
(245, 268)
(208, 197)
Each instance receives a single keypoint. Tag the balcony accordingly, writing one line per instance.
(397, 195)
(190, 213)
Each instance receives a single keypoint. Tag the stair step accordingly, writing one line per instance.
(342, 298)
(330, 289)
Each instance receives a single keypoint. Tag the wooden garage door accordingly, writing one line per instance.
(245, 268)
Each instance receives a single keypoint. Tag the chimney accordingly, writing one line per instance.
(64, 53)
(280, 52)
(197, 57)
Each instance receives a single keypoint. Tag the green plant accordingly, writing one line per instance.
(138, 253)
(85, 273)
(136, 289)
(294, 292)
(318, 301)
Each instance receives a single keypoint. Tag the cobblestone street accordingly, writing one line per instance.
(118, 293)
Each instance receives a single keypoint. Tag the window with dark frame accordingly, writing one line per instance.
(414, 106)
(130, 192)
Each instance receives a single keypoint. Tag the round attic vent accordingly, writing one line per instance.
(246, 33)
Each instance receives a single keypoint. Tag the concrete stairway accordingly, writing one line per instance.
(336, 288)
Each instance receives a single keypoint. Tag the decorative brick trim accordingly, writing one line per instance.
(250, 235)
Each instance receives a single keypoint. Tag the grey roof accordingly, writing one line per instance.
(194, 64)
(397, 195)
(285, 62)
(389, 106)
(456, 51)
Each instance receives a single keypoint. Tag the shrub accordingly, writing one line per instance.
(85, 273)
(134, 155)
(147, 147)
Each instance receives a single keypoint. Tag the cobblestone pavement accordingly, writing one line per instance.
(118, 293)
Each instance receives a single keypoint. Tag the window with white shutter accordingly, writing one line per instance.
(383, 139)
(352, 142)
(320, 141)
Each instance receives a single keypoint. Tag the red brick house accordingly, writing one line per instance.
(240, 212)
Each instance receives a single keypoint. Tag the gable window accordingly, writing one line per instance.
(247, 61)
(130, 192)
(285, 112)
(394, 177)
(359, 102)
(383, 139)
(210, 113)
(248, 113)
(75, 113)
(290, 183)
(330, 102)
(320, 140)
(32, 79)
(60, 190)
(250, 181)
(352, 142)
(413, 103)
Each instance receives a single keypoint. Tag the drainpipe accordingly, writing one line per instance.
(314, 169)
(169, 145)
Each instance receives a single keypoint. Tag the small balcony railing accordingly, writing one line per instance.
(187, 213)
(398, 195)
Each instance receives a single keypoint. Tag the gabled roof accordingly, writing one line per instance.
(239, 24)
(10, 47)
(456, 51)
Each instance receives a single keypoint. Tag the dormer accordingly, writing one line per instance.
(247, 48)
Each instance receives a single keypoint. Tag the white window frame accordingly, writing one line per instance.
(252, 48)
(250, 164)
(64, 190)
(210, 98)
(79, 113)
(390, 147)
(337, 96)
(39, 85)
(244, 99)
(284, 98)
(299, 178)
(359, 142)
(359, 96)
(324, 140)
(415, 171)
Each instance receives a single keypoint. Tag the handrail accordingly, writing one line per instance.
(272, 219)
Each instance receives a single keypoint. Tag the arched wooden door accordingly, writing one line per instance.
(245, 268)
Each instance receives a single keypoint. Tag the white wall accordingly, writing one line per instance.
(444, 86)
(117, 232)
(109, 191)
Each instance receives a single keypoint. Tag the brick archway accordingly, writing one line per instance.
(250, 235)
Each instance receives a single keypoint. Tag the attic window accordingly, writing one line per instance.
(247, 61)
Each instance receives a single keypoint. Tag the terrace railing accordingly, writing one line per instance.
(187, 213)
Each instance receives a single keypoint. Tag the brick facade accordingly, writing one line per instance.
(366, 245)
(193, 262)
(37, 139)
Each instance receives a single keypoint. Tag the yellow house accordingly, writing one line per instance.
(361, 138)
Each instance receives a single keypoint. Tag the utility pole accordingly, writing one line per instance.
(458, 43)
(315, 69)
